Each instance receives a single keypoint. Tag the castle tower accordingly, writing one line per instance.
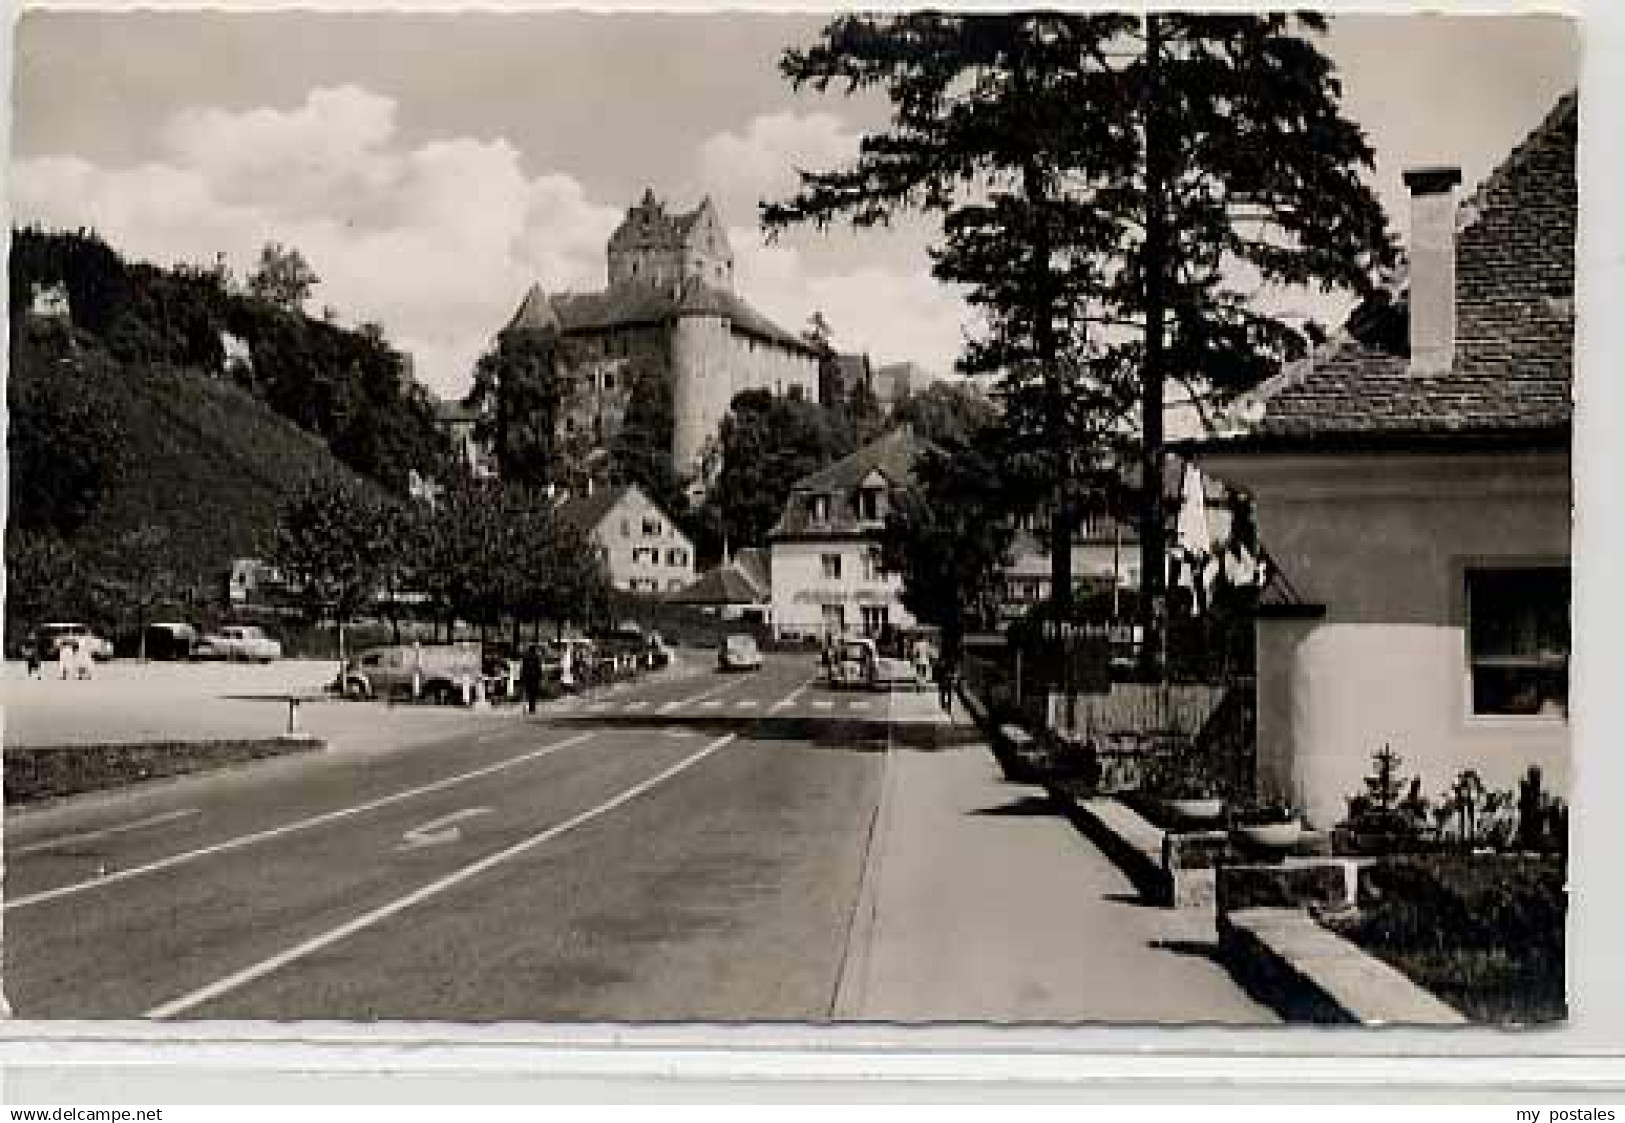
(702, 364)
(652, 247)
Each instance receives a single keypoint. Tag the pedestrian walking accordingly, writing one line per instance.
(84, 664)
(65, 652)
(946, 676)
(31, 657)
(530, 676)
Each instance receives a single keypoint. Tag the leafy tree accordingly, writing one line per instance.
(67, 446)
(640, 452)
(945, 412)
(330, 546)
(765, 444)
(44, 579)
(520, 389)
(282, 277)
(951, 533)
(136, 576)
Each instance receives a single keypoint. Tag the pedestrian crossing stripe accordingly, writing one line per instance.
(823, 704)
(713, 704)
(857, 705)
(747, 703)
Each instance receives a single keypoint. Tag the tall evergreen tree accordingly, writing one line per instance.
(1248, 175)
(987, 134)
(1112, 190)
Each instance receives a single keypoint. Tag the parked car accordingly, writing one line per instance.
(858, 664)
(170, 640)
(50, 637)
(238, 643)
(739, 652)
(441, 672)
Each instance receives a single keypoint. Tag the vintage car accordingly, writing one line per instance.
(169, 640)
(51, 637)
(238, 643)
(441, 672)
(857, 663)
(739, 653)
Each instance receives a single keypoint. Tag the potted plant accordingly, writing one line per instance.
(1185, 790)
(1268, 824)
(1192, 799)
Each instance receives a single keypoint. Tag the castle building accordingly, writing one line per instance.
(669, 311)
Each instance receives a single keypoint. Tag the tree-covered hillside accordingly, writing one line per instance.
(350, 388)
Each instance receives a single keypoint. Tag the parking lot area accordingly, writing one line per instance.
(129, 701)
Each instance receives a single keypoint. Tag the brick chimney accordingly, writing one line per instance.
(1433, 268)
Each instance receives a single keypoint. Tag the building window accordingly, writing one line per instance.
(869, 504)
(1518, 640)
(874, 619)
(609, 380)
(797, 392)
(820, 508)
(676, 556)
(871, 565)
(832, 566)
(674, 584)
(626, 528)
(834, 619)
(653, 528)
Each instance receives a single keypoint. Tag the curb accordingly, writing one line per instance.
(852, 984)
(1139, 858)
(1307, 973)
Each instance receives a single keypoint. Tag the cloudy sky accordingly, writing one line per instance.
(431, 167)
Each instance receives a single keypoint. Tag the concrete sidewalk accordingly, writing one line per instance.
(981, 903)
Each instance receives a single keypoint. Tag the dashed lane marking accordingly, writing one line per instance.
(747, 703)
(823, 704)
(433, 889)
(323, 819)
(91, 836)
(701, 697)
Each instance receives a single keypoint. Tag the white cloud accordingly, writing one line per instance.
(439, 241)
(740, 170)
(436, 242)
(895, 314)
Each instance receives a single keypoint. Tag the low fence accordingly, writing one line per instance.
(1135, 730)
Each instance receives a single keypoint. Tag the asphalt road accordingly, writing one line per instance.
(681, 849)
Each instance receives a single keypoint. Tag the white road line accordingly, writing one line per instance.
(713, 704)
(640, 704)
(857, 705)
(87, 836)
(823, 704)
(668, 707)
(433, 889)
(790, 699)
(747, 703)
(288, 828)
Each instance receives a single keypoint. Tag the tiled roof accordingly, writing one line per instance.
(1515, 323)
(627, 305)
(722, 585)
(892, 456)
(757, 565)
(585, 512)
